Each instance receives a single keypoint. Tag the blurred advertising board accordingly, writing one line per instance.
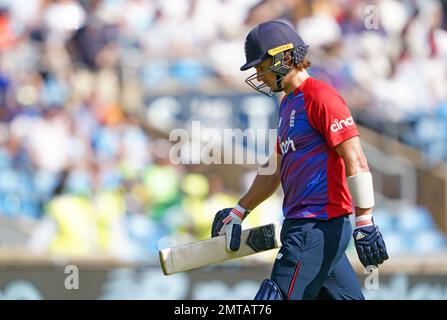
(212, 283)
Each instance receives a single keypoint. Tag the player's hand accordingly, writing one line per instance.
(228, 222)
(370, 246)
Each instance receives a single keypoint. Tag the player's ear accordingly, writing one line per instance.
(294, 56)
(291, 59)
(288, 58)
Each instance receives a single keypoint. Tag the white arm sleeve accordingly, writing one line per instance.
(362, 191)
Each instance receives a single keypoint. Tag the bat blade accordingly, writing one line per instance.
(210, 251)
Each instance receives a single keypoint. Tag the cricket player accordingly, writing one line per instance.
(323, 172)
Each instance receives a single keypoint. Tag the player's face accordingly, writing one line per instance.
(264, 75)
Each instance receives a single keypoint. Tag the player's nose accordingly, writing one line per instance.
(259, 77)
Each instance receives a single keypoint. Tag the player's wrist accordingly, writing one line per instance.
(240, 212)
(364, 220)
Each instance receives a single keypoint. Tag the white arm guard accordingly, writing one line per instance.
(362, 191)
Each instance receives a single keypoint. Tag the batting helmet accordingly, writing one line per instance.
(272, 39)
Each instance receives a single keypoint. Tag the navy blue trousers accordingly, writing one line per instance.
(312, 263)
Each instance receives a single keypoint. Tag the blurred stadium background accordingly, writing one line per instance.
(90, 90)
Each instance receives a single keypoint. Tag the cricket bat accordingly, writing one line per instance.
(210, 251)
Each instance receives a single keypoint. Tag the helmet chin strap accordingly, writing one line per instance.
(278, 88)
(280, 69)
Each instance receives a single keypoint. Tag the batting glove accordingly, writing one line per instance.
(369, 245)
(228, 222)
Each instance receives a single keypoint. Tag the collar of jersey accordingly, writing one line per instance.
(292, 94)
(287, 97)
(300, 87)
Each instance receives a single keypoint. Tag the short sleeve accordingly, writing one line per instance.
(277, 147)
(328, 114)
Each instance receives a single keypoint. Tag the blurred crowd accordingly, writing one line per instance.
(388, 58)
(76, 157)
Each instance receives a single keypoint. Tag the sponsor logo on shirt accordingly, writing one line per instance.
(338, 125)
(286, 145)
(292, 118)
